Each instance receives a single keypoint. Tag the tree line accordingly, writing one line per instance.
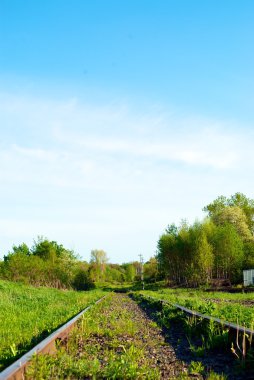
(219, 247)
(48, 263)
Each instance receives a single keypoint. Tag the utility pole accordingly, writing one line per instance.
(141, 270)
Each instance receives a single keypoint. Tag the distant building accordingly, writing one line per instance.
(248, 277)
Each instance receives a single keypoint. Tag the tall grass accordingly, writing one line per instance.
(205, 303)
(29, 314)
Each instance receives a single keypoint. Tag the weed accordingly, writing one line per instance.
(196, 368)
(14, 350)
(29, 314)
(205, 303)
(106, 344)
(204, 335)
(216, 376)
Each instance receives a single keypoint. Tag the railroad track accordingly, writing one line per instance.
(16, 371)
(226, 324)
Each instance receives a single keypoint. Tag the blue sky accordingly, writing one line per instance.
(120, 117)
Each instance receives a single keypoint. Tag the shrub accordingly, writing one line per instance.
(83, 281)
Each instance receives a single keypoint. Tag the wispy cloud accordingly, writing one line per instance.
(85, 168)
(195, 145)
(115, 129)
(195, 152)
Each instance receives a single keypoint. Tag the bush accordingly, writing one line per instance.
(82, 281)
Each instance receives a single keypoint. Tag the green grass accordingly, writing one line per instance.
(204, 303)
(28, 315)
(204, 338)
(107, 344)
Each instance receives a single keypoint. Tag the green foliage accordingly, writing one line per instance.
(99, 257)
(237, 200)
(19, 249)
(82, 280)
(200, 269)
(51, 250)
(29, 314)
(220, 247)
(203, 336)
(45, 264)
(196, 368)
(48, 263)
(228, 253)
(130, 272)
(213, 304)
(107, 344)
(248, 249)
(216, 376)
(168, 256)
(188, 256)
(98, 263)
(234, 216)
(151, 270)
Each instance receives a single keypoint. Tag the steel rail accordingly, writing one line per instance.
(16, 370)
(230, 325)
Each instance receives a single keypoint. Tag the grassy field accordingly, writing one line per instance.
(106, 344)
(229, 307)
(29, 314)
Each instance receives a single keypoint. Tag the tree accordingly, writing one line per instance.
(199, 262)
(234, 215)
(236, 200)
(115, 273)
(172, 229)
(98, 256)
(216, 206)
(248, 262)
(130, 272)
(98, 263)
(228, 253)
(168, 254)
(25, 268)
(44, 249)
(203, 256)
(82, 280)
(184, 251)
(51, 250)
(46, 263)
(151, 270)
(246, 204)
(18, 249)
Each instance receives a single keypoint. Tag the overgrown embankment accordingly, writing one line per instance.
(117, 339)
(114, 340)
(29, 314)
(234, 308)
(205, 344)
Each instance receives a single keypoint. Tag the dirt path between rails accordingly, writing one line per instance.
(159, 354)
(131, 327)
(117, 339)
